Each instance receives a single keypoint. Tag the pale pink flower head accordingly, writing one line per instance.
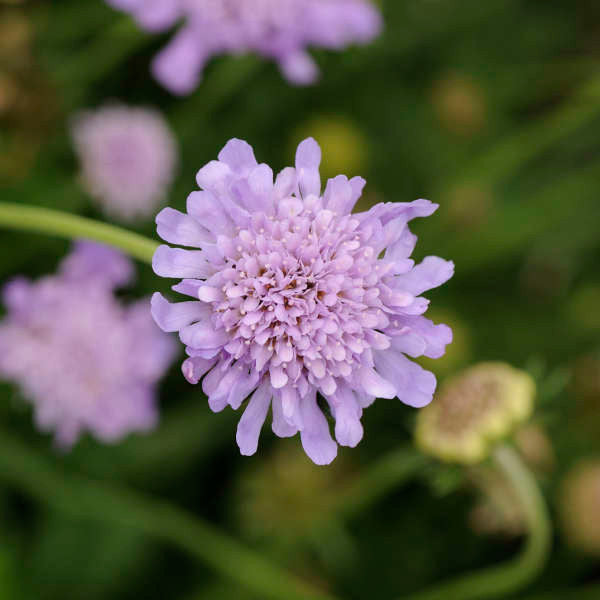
(128, 158)
(85, 361)
(293, 298)
(281, 30)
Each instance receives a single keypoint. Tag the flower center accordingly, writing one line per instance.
(299, 293)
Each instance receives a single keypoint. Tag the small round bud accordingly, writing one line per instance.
(473, 410)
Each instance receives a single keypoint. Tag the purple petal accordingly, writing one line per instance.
(374, 384)
(260, 182)
(339, 195)
(202, 335)
(435, 338)
(278, 377)
(290, 403)
(285, 182)
(308, 159)
(409, 343)
(195, 368)
(214, 177)
(92, 261)
(414, 385)
(16, 294)
(281, 427)
(429, 274)
(357, 184)
(315, 436)
(178, 228)
(173, 317)
(244, 385)
(388, 211)
(402, 247)
(299, 68)
(249, 426)
(152, 15)
(175, 262)
(209, 212)
(347, 413)
(179, 66)
(218, 388)
(238, 155)
(188, 287)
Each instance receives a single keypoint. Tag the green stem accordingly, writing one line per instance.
(512, 576)
(83, 498)
(54, 222)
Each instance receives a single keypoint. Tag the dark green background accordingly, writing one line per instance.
(491, 109)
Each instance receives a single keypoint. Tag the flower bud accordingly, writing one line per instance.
(473, 410)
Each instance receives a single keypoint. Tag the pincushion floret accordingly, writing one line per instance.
(128, 158)
(281, 30)
(83, 359)
(293, 297)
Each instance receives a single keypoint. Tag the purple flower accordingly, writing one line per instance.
(293, 296)
(276, 29)
(83, 360)
(128, 158)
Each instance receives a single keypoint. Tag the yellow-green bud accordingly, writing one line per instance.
(473, 410)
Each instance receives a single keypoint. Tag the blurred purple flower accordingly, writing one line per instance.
(277, 29)
(128, 157)
(82, 359)
(293, 295)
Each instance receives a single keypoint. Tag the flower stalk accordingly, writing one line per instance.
(54, 222)
(497, 582)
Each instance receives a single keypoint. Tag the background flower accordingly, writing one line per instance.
(298, 296)
(128, 157)
(83, 360)
(277, 29)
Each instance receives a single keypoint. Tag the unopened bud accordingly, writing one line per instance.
(473, 410)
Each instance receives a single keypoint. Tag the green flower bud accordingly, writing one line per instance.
(473, 410)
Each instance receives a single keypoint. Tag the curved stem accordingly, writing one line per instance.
(83, 498)
(54, 222)
(510, 577)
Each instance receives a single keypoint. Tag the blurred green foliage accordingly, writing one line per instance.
(491, 109)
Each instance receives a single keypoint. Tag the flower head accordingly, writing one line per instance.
(128, 158)
(82, 359)
(473, 410)
(276, 29)
(293, 295)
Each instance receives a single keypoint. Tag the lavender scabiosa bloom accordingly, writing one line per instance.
(128, 157)
(82, 359)
(276, 29)
(294, 296)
